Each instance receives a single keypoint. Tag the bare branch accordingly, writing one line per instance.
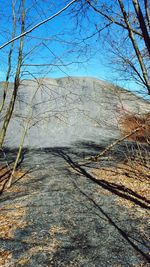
(142, 23)
(52, 64)
(147, 12)
(109, 147)
(9, 58)
(38, 24)
(135, 46)
(112, 19)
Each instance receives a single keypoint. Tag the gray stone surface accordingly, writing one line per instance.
(63, 111)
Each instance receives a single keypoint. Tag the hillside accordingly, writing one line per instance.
(61, 210)
(66, 110)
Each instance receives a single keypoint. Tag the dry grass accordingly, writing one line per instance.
(4, 177)
(12, 217)
(41, 248)
(23, 261)
(134, 173)
(124, 174)
(49, 245)
(5, 258)
(57, 230)
(129, 122)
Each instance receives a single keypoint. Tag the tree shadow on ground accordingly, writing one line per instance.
(118, 190)
(77, 240)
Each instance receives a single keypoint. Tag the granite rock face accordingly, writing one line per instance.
(60, 112)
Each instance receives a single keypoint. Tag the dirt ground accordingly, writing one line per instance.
(63, 214)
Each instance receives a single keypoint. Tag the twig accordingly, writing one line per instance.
(109, 147)
(38, 24)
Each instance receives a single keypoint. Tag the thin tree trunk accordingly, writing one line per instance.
(18, 156)
(111, 19)
(135, 46)
(142, 23)
(9, 59)
(22, 141)
(147, 12)
(16, 82)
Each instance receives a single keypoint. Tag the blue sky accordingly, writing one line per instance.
(60, 30)
(62, 45)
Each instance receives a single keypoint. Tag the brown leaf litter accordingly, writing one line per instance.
(12, 218)
(5, 174)
(135, 177)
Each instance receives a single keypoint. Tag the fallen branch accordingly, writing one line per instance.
(109, 147)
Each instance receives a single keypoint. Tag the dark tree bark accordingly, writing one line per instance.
(142, 23)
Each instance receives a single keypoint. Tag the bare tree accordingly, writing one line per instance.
(142, 22)
(6, 83)
(10, 107)
(128, 26)
(25, 53)
(134, 43)
(26, 127)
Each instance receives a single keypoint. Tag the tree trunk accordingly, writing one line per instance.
(9, 59)
(29, 119)
(147, 12)
(135, 46)
(142, 23)
(16, 82)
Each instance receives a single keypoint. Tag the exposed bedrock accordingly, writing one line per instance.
(59, 112)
